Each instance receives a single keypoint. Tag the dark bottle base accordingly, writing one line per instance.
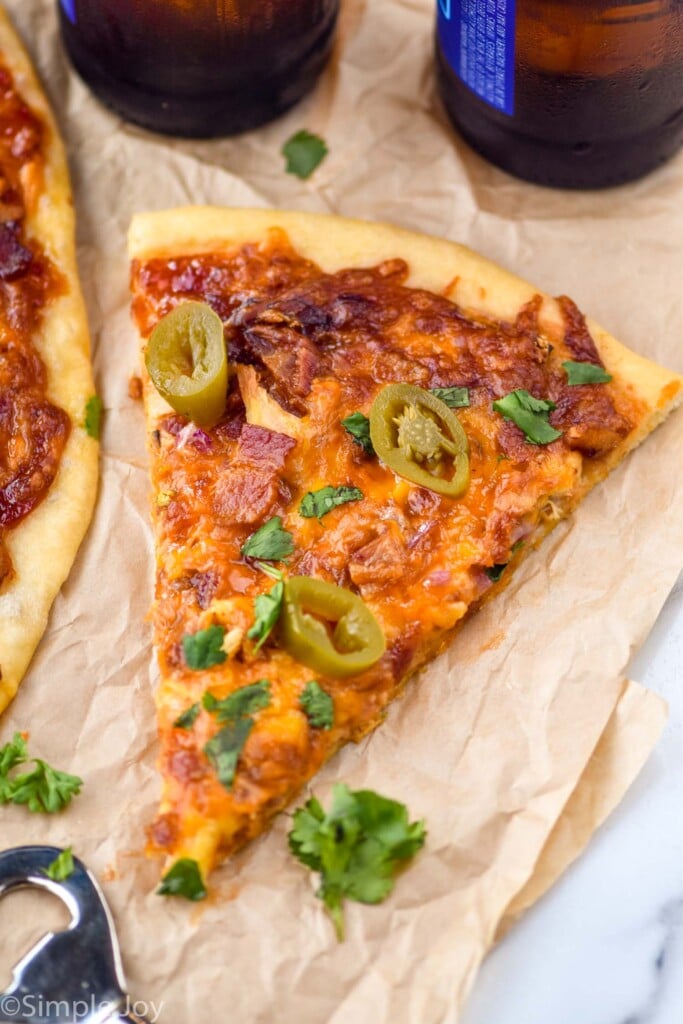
(595, 164)
(207, 116)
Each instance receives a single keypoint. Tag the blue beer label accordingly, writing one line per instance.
(69, 8)
(477, 38)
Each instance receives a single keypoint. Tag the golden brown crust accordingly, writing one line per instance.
(43, 546)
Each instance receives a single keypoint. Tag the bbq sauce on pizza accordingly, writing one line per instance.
(308, 351)
(33, 431)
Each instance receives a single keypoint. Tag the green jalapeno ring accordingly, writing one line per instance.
(187, 361)
(354, 643)
(417, 435)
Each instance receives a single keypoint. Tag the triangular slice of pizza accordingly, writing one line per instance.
(402, 421)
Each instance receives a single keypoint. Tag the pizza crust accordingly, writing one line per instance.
(479, 286)
(43, 546)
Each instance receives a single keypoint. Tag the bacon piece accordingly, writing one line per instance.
(204, 585)
(246, 494)
(33, 433)
(589, 420)
(577, 337)
(260, 445)
(381, 560)
(186, 766)
(15, 258)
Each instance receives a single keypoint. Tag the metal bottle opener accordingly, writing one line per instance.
(73, 976)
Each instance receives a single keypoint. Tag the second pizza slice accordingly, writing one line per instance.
(355, 434)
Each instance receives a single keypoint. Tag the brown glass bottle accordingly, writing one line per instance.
(199, 68)
(570, 93)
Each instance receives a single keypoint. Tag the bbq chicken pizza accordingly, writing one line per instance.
(355, 435)
(48, 451)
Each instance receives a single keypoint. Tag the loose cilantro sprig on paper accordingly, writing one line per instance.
(358, 426)
(303, 152)
(183, 879)
(318, 705)
(234, 713)
(270, 542)
(43, 790)
(585, 373)
(357, 846)
(530, 415)
(454, 398)
(93, 417)
(61, 867)
(267, 608)
(204, 649)
(318, 503)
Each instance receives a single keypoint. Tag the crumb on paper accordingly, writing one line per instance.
(135, 387)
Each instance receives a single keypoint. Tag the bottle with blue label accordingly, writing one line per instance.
(566, 93)
(199, 67)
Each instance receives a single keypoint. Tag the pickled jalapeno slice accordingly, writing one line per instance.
(328, 628)
(421, 439)
(187, 362)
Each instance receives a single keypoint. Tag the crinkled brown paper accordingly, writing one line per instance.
(491, 743)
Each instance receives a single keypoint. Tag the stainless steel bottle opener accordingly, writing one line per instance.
(73, 976)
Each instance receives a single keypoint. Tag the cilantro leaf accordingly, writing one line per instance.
(303, 152)
(13, 753)
(319, 503)
(318, 705)
(494, 572)
(270, 570)
(44, 789)
(239, 704)
(183, 879)
(267, 608)
(270, 542)
(585, 373)
(93, 416)
(224, 749)
(358, 426)
(204, 649)
(61, 867)
(530, 415)
(187, 719)
(356, 846)
(454, 398)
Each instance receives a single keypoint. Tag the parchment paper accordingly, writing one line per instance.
(490, 744)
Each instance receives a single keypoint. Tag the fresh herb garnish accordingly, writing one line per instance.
(530, 415)
(494, 572)
(318, 705)
(319, 503)
(454, 398)
(187, 719)
(270, 570)
(358, 426)
(585, 373)
(224, 749)
(183, 879)
(356, 846)
(204, 649)
(93, 416)
(267, 608)
(61, 867)
(270, 542)
(44, 789)
(239, 704)
(303, 152)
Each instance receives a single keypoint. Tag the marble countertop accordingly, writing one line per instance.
(605, 946)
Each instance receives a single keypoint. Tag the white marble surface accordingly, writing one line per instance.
(605, 946)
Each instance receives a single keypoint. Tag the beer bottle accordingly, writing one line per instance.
(203, 68)
(568, 93)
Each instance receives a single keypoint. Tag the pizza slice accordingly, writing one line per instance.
(397, 422)
(48, 461)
